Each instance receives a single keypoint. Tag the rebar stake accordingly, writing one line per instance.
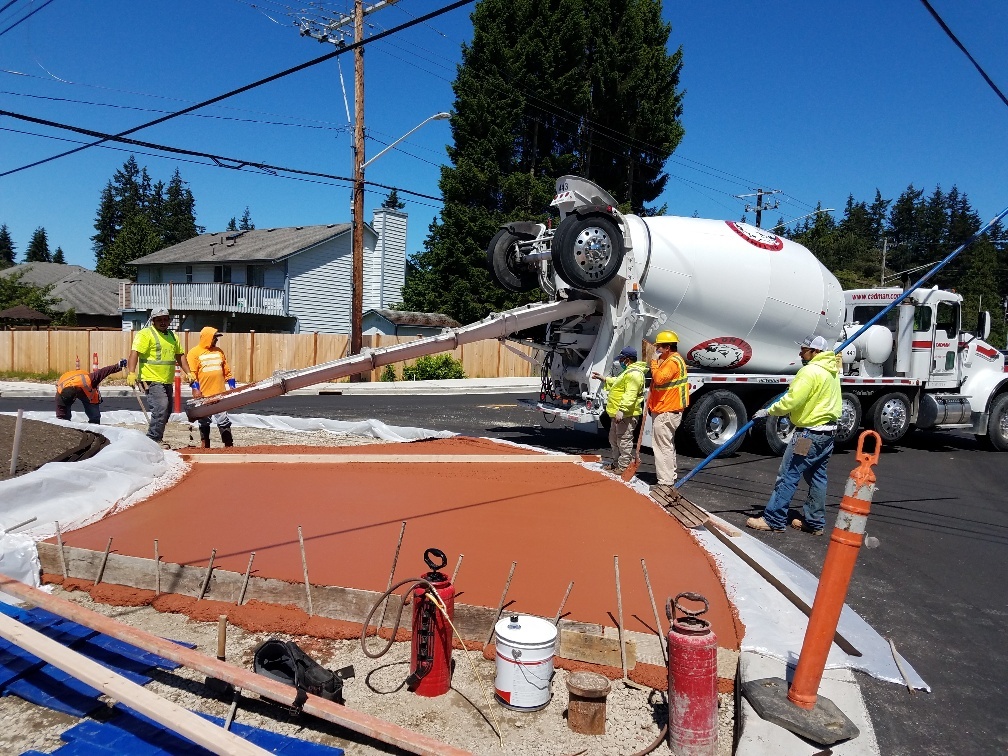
(500, 605)
(101, 567)
(304, 566)
(556, 620)
(248, 571)
(209, 572)
(59, 542)
(157, 570)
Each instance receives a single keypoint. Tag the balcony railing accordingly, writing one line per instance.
(205, 297)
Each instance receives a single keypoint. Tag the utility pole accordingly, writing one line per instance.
(357, 237)
(885, 248)
(335, 31)
(760, 207)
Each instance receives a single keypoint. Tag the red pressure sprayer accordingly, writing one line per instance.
(692, 679)
(430, 660)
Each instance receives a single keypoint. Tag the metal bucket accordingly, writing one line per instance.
(525, 649)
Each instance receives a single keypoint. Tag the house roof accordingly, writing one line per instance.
(20, 312)
(87, 292)
(257, 245)
(407, 318)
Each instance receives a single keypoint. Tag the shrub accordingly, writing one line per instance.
(437, 367)
(388, 374)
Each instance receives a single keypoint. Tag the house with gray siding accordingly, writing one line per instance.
(277, 280)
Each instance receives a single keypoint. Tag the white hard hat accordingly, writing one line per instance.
(159, 312)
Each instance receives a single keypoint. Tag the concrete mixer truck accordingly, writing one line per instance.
(740, 299)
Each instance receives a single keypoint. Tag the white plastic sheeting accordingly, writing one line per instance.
(18, 560)
(776, 627)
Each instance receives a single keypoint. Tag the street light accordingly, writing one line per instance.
(357, 236)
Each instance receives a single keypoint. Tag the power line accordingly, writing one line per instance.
(220, 161)
(253, 85)
(966, 52)
(23, 18)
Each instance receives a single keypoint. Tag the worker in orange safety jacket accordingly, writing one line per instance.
(83, 385)
(668, 396)
(212, 375)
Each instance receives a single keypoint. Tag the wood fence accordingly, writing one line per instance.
(253, 356)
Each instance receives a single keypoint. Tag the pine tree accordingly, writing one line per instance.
(6, 248)
(392, 201)
(58, 256)
(38, 247)
(232, 224)
(107, 223)
(246, 224)
(180, 213)
(544, 89)
(137, 238)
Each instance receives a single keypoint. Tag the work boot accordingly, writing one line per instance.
(758, 523)
(225, 436)
(800, 525)
(204, 434)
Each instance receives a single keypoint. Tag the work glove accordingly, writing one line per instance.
(619, 416)
(123, 363)
(190, 378)
(131, 380)
(231, 383)
(760, 413)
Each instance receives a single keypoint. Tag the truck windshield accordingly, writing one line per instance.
(864, 313)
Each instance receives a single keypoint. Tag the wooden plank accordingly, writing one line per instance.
(345, 459)
(167, 713)
(596, 649)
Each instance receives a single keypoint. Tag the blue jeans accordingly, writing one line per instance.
(812, 467)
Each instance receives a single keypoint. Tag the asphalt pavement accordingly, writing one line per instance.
(936, 584)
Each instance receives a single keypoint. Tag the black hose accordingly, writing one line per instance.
(402, 604)
(654, 744)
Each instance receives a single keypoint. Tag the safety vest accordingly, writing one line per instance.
(157, 364)
(669, 390)
(79, 379)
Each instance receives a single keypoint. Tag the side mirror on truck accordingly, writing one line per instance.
(984, 325)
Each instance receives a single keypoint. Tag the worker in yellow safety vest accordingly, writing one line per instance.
(83, 385)
(152, 362)
(625, 392)
(668, 396)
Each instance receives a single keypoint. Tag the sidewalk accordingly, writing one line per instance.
(26, 389)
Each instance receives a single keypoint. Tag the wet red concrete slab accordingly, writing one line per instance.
(558, 522)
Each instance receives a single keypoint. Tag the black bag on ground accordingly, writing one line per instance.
(286, 662)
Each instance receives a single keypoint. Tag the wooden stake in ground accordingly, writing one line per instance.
(619, 611)
(500, 605)
(166, 713)
(209, 572)
(395, 561)
(157, 570)
(248, 571)
(658, 625)
(304, 566)
(101, 567)
(222, 637)
(556, 619)
(15, 449)
(59, 542)
(457, 565)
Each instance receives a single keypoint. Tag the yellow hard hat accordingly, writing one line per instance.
(667, 337)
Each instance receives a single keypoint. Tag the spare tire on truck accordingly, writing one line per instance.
(505, 262)
(587, 252)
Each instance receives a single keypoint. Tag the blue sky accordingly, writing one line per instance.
(816, 99)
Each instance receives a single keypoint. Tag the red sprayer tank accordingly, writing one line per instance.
(692, 683)
(430, 660)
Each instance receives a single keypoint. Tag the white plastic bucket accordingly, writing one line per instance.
(525, 649)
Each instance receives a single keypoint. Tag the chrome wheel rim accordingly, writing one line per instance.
(893, 417)
(722, 423)
(593, 249)
(845, 423)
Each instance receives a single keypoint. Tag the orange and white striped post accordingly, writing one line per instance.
(845, 543)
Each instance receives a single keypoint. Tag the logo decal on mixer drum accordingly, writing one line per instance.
(757, 236)
(721, 353)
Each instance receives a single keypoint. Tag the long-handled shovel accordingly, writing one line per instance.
(143, 409)
(631, 469)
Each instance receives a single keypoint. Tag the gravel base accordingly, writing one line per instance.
(180, 435)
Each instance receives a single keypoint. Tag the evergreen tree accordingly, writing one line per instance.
(980, 289)
(246, 224)
(392, 201)
(137, 238)
(38, 247)
(6, 247)
(107, 223)
(58, 256)
(544, 89)
(232, 224)
(14, 292)
(179, 213)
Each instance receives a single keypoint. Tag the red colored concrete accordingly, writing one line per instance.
(559, 522)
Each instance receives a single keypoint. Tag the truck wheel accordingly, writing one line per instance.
(772, 434)
(587, 252)
(503, 261)
(849, 421)
(890, 417)
(997, 423)
(713, 419)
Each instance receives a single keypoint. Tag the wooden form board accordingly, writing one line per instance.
(344, 459)
(579, 641)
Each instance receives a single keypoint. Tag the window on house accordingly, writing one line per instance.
(255, 275)
(156, 275)
(188, 273)
(222, 274)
